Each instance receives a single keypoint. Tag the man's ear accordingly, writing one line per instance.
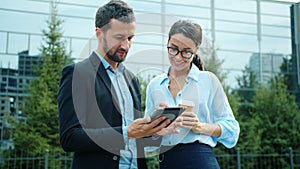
(98, 32)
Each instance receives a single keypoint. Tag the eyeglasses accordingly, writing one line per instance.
(174, 52)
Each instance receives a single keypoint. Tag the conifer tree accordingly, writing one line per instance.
(41, 129)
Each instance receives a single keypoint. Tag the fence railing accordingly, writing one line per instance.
(13, 159)
(237, 159)
(286, 160)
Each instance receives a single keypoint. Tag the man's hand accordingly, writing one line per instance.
(143, 127)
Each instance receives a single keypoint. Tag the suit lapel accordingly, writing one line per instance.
(103, 76)
(134, 90)
(101, 72)
(129, 78)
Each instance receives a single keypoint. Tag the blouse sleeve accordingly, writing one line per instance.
(149, 105)
(222, 114)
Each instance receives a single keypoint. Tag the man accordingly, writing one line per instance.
(99, 100)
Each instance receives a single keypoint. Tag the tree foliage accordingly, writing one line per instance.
(277, 116)
(247, 85)
(41, 129)
(286, 72)
(268, 116)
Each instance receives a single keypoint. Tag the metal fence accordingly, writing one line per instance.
(287, 159)
(13, 159)
(236, 159)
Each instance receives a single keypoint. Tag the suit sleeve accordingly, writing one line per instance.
(75, 135)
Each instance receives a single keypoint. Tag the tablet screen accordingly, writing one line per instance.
(170, 112)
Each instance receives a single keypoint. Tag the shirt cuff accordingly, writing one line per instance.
(155, 137)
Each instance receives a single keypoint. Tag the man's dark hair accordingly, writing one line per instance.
(115, 9)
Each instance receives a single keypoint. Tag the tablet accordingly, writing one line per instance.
(170, 112)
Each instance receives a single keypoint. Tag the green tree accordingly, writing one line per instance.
(247, 85)
(268, 115)
(286, 73)
(289, 77)
(41, 130)
(278, 117)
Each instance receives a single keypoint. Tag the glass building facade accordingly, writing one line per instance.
(236, 29)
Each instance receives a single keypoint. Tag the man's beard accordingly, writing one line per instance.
(112, 55)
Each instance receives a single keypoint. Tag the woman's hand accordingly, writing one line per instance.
(171, 129)
(191, 121)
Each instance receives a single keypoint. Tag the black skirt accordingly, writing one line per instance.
(188, 156)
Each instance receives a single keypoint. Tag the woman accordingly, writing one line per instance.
(209, 121)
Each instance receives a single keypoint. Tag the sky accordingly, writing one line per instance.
(289, 1)
(20, 17)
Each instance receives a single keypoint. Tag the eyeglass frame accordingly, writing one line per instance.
(179, 51)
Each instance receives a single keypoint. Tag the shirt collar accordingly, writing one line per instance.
(107, 66)
(193, 75)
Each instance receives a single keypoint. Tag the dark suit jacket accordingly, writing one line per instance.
(89, 117)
